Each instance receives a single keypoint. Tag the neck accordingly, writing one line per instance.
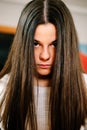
(41, 82)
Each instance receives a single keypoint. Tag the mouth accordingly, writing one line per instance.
(44, 66)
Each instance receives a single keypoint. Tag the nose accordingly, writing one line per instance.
(45, 54)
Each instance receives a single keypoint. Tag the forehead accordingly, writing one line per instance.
(45, 32)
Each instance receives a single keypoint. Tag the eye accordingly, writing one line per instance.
(54, 43)
(36, 43)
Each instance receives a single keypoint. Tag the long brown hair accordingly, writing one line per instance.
(67, 106)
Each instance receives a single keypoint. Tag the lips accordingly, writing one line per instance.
(44, 66)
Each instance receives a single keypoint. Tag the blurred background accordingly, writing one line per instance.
(10, 11)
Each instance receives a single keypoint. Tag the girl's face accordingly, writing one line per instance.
(44, 48)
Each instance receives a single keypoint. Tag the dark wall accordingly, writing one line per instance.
(5, 43)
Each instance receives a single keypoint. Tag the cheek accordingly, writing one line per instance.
(36, 54)
(53, 53)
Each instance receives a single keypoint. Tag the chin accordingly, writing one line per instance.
(44, 75)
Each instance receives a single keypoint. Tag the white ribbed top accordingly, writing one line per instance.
(42, 106)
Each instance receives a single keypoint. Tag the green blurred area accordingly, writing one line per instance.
(5, 44)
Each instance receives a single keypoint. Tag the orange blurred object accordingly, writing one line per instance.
(7, 29)
(83, 58)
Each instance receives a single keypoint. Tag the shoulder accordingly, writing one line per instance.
(4, 79)
(85, 78)
(3, 83)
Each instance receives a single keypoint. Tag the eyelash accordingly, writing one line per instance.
(54, 44)
(36, 43)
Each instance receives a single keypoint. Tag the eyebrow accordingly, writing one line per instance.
(36, 41)
(40, 42)
(54, 41)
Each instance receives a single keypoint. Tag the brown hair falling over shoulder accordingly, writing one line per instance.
(68, 101)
